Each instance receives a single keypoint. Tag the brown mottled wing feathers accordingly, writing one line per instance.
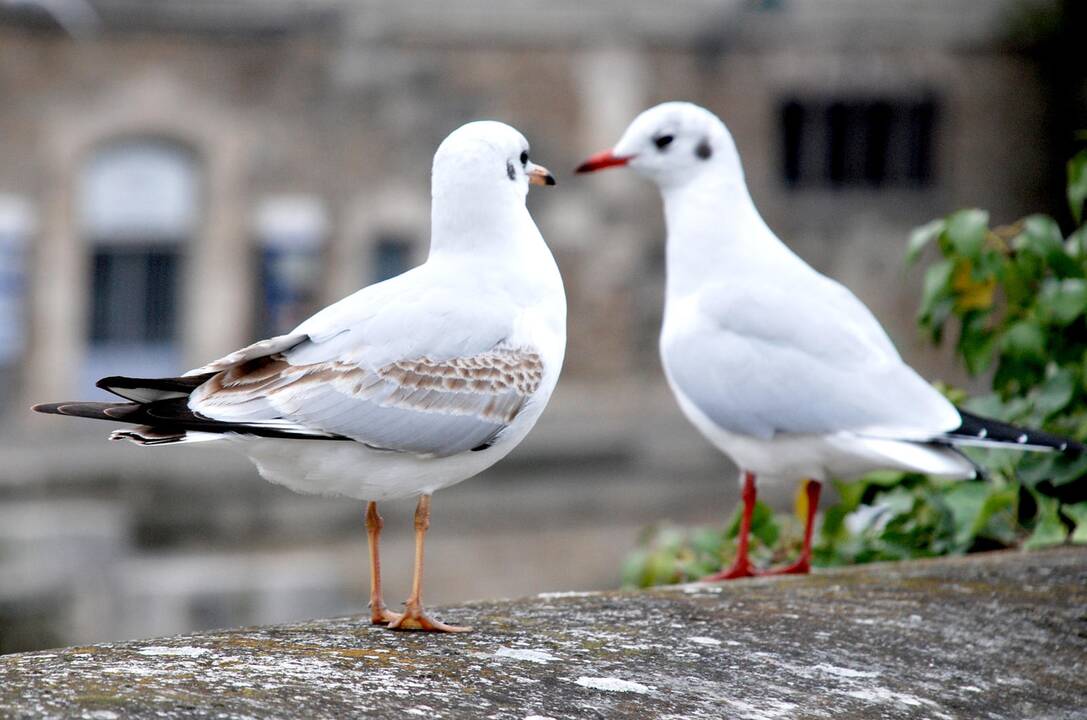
(418, 405)
(504, 376)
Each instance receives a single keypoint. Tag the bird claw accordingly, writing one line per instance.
(415, 618)
(383, 616)
(800, 567)
(737, 571)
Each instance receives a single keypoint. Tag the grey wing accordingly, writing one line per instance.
(420, 405)
(763, 360)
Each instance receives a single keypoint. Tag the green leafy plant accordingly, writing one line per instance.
(1017, 295)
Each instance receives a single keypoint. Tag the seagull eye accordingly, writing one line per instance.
(663, 141)
(524, 157)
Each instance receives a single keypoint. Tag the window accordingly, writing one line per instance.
(291, 230)
(138, 206)
(135, 295)
(392, 256)
(857, 143)
(16, 226)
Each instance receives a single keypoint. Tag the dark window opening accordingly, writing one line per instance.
(857, 143)
(289, 284)
(392, 256)
(792, 128)
(135, 291)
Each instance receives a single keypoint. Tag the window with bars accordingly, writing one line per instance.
(138, 209)
(135, 294)
(858, 143)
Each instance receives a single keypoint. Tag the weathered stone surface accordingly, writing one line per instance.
(995, 636)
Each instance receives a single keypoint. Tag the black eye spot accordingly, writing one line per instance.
(663, 141)
(524, 157)
(704, 151)
(510, 172)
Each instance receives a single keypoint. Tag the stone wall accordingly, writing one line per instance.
(997, 636)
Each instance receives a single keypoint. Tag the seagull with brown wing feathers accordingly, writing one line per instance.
(403, 388)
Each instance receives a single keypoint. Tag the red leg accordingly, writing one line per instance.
(803, 565)
(741, 566)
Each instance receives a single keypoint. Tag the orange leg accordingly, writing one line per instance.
(803, 565)
(741, 566)
(414, 617)
(379, 614)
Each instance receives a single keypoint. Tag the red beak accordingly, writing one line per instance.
(602, 160)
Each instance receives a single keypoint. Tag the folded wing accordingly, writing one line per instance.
(761, 360)
(419, 405)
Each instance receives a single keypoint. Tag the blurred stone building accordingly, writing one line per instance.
(180, 178)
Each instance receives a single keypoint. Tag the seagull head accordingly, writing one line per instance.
(671, 144)
(485, 160)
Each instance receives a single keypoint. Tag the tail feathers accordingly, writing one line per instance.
(171, 420)
(93, 410)
(148, 435)
(145, 390)
(977, 430)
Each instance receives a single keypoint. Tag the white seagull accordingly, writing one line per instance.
(780, 367)
(403, 388)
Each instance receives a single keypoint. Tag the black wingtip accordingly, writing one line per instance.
(48, 408)
(92, 410)
(983, 430)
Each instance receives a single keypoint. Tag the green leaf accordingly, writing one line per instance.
(1048, 528)
(899, 501)
(988, 405)
(936, 289)
(1078, 515)
(1034, 468)
(1062, 301)
(922, 236)
(885, 478)
(1042, 238)
(1056, 393)
(660, 568)
(966, 231)
(706, 540)
(1076, 243)
(976, 343)
(965, 501)
(634, 569)
(1040, 235)
(1067, 469)
(1024, 341)
(996, 521)
(763, 525)
(1077, 184)
(850, 494)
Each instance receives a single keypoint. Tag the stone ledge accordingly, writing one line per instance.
(997, 636)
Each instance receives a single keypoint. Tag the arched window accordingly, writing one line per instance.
(138, 207)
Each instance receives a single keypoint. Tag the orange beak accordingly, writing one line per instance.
(539, 175)
(602, 161)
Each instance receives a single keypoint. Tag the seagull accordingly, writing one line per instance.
(403, 388)
(781, 368)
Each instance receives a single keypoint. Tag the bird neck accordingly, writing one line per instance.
(465, 219)
(714, 230)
